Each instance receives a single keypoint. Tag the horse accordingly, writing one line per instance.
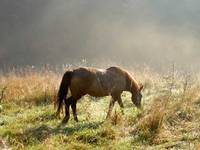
(97, 83)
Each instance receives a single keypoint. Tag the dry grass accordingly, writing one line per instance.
(150, 125)
(169, 119)
(173, 114)
(29, 86)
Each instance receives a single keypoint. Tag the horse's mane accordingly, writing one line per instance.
(131, 81)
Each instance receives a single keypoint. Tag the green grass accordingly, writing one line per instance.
(168, 119)
(36, 127)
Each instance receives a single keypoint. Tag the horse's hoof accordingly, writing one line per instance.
(108, 117)
(65, 120)
(57, 115)
(122, 112)
(76, 119)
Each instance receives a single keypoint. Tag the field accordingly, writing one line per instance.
(169, 118)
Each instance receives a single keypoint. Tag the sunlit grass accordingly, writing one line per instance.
(169, 117)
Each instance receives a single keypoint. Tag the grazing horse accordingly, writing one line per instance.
(98, 83)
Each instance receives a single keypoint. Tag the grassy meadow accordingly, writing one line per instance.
(169, 119)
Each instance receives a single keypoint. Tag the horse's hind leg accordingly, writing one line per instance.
(73, 105)
(67, 113)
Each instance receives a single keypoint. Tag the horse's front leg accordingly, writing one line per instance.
(119, 100)
(111, 105)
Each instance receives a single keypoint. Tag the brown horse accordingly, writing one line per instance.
(98, 83)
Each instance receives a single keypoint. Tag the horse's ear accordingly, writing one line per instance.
(141, 87)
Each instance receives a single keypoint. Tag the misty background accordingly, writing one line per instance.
(130, 32)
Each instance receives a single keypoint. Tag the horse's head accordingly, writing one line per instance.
(137, 97)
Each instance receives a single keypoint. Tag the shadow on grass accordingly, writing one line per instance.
(44, 117)
(36, 135)
(78, 128)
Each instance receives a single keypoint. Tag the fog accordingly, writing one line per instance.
(128, 32)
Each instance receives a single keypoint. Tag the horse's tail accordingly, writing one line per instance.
(63, 90)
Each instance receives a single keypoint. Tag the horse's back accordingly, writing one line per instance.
(85, 80)
(97, 82)
(83, 76)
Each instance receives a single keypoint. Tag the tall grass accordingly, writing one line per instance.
(169, 118)
(29, 86)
